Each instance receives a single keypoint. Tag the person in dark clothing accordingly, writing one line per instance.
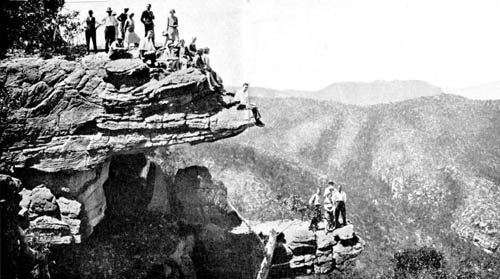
(147, 18)
(339, 197)
(121, 19)
(192, 47)
(315, 204)
(90, 31)
(110, 31)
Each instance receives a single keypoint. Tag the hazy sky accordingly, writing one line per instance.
(292, 44)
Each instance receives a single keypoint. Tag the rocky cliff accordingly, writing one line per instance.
(66, 123)
(302, 252)
(82, 139)
(66, 119)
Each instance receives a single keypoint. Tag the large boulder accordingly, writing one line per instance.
(312, 252)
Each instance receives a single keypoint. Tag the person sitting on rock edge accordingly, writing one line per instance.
(147, 50)
(339, 197)
(242, 98)
(315, 204)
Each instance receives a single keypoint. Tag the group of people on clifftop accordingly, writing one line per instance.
(120, 36)
(174, 55)
(334, 204)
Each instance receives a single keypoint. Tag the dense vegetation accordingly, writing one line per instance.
(39, 25)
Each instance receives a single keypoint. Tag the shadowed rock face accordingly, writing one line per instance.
(71, 116)
(66, 119)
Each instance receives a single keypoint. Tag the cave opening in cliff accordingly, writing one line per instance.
(148, 228)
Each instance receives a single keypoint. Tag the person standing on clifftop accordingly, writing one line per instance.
(109, 32)
(339, 197)
(122, 18)
(90, 31)
(130, 36)
(242, 98)
(172, 24)
(147, 18)
(314, 202)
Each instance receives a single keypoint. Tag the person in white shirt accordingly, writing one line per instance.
(110, 24)
(147, 49)
(339, 197)
(315, 204)
(241, 97)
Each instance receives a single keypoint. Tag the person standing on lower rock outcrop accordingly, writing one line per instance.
(339, 197)
(315, 204)
(329, 209)
(242, 98)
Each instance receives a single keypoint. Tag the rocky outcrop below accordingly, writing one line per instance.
(302, 252)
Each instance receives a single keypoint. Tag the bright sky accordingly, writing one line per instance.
(292, 44)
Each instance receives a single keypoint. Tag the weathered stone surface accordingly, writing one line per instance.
(74, 115)
(200, 199)
(51, 220)
(69, 208)
(42, 201)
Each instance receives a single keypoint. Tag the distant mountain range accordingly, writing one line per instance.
(482, 92)
(378, 92)
(358, 93)
(420, 172)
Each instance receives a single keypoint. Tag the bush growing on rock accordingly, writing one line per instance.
(419, 263)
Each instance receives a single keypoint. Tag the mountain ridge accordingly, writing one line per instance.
(420, 172)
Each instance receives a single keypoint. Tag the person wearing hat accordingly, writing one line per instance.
(339, 197)
(122, 18)
(172, 24)
(109, 23)
(147, 18)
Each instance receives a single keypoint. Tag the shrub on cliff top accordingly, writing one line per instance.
(28, 24)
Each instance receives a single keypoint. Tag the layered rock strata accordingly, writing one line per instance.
(303, 252)
(68, 115)
(67, 118)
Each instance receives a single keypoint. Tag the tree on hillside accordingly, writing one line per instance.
(28, 23)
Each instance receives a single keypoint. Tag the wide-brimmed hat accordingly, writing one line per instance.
(108, 10)
(330, 182)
